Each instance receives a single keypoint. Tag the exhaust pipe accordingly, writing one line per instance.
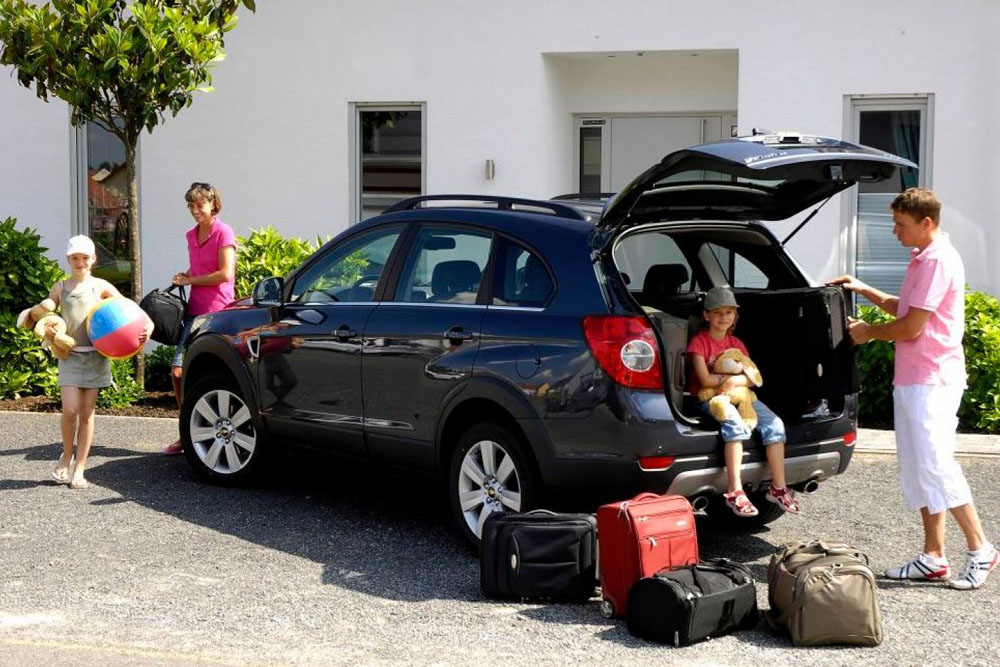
(699, 503)
(808, 487)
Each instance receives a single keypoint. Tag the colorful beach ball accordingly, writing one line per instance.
(114, 326)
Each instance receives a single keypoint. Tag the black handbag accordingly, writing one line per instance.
(167, 311)
(684, 605)
(539, 554)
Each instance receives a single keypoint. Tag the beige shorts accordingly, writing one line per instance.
(87, 370)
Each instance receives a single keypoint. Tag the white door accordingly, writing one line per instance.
(613, 150)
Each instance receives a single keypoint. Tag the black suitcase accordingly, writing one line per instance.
(684, 605)
(539, 554)
(166, 310)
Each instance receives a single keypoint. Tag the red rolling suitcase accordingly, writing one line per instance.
(638, 538)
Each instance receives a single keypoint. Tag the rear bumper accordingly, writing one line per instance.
(693, 475)
(698, 476)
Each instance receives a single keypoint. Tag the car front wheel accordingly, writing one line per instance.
(490, 472)
(217, 428)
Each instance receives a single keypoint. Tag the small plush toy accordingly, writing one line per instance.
(49, 327)
(734, 362)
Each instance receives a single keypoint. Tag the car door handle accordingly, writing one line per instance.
(458, 334)
(344, 332)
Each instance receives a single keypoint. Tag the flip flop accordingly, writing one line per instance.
(61, 475)
(79, 483)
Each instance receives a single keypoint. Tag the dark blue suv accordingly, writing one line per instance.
(532, 352)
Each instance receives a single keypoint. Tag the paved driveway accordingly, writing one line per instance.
(328, 566)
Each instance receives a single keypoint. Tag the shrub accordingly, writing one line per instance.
(267, 253)
(980, 408)
(25, 279)
(124, 390)
(875, 362)
(158, 364)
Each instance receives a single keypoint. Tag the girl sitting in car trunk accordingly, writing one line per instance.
(720, 314)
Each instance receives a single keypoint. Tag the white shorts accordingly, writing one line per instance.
(926, 418)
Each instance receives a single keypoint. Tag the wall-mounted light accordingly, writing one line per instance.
(491, 170)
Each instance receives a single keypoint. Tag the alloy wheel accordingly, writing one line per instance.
(222, 432)
(488, 482)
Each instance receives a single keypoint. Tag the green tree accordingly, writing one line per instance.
(122, 64)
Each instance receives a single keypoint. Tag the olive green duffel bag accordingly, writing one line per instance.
(823, 592)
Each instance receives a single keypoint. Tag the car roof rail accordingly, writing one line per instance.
(586, 196)
(502, 204)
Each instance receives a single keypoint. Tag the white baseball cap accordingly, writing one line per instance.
(81, 245)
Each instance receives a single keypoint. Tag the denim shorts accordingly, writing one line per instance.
(733, 428)
(179, 354)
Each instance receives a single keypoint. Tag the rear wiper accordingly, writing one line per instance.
(803, 223)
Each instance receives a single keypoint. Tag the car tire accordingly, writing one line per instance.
(506, 480)
(721, 516)
(220, 435)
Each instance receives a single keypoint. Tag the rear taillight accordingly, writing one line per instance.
(849, 438)
(655, 462)
(626, 348)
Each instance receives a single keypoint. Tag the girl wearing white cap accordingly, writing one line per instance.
(82, 375)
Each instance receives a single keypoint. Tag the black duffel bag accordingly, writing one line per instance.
(166, 310)
(539, 555)
(684, 605)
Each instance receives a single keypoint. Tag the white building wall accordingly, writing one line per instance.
(502, 80)
(34, 163)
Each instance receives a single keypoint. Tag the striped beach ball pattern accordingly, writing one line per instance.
(114, 326)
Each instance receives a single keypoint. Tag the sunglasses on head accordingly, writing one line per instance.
(200, 186)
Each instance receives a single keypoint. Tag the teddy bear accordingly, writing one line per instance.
(733, 362)
(49, 327)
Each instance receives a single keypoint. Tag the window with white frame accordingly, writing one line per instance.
(898, 125)
(388, 156)
(101, 207)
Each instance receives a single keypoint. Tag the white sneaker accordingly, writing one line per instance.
(921, 567)
(978, 566)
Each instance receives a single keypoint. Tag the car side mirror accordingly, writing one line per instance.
(268, 291)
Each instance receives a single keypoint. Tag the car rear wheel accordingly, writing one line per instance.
(221, 441)
(490, 472)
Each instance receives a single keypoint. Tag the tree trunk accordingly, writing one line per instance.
(134, 249)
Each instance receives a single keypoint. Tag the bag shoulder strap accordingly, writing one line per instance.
(179, 288)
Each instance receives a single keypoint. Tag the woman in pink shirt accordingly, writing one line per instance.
(211, 272)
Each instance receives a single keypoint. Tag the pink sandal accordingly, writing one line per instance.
(784, 498)
(739, 503)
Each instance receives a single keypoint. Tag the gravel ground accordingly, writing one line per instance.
(328, 565)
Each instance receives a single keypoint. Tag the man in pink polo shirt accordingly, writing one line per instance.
(929, 380)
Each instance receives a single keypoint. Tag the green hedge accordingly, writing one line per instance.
(267, 253)
(25, 279)
(980, 409)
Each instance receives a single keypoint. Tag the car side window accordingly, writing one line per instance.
(349, 272)
(520, 277)
(740, 271)
(445, 265)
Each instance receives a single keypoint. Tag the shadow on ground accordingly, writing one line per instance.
(378, 532)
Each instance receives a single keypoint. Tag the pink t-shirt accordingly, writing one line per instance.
(708, 348)
(934, 281)
(204, 259)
